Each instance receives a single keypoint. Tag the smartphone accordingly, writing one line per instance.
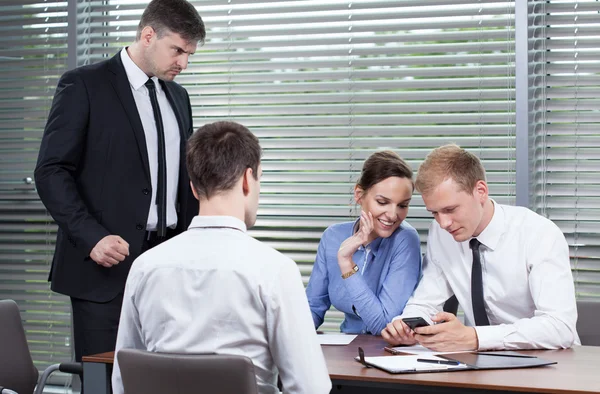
(414, 322)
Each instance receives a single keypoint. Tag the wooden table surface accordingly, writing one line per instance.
(577, 371)
(104, 358)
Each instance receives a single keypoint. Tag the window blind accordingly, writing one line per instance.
(565, 120)
(324, 84)
(33, 51)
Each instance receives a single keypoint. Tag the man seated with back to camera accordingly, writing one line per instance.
(214, 288)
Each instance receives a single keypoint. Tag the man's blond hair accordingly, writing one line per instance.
(449, 162)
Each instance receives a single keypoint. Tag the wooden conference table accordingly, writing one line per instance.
(577, 371)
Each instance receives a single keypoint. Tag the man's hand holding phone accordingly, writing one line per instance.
(447, 334)
(401, 331)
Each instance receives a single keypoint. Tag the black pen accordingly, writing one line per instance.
(445, 362)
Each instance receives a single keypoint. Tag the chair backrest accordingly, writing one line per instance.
(451, 305)
(158, 373)
(588, 326)
(17, 371)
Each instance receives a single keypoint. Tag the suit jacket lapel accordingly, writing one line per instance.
(119, 81)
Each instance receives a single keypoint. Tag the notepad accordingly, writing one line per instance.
(409, 364)
(416, 349)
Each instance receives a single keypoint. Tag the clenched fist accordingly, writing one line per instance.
(110, 250)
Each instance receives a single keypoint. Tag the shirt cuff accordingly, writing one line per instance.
(352, 283)
(492, 337)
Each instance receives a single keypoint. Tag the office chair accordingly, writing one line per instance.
(588, 327)
(158, 373)
(451, 305)
(17, 372)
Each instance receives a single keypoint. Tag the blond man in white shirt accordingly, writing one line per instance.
(528, 299)
(215, 289)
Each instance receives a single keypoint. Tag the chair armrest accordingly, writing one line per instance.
(72, 368)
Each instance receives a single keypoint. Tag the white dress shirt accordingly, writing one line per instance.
(215, 289)
(527, 282)
(137, 79)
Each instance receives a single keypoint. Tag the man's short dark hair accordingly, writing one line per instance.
(217, 156)
(175, 16)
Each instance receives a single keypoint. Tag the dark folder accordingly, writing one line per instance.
(498, 360)
(464, 362)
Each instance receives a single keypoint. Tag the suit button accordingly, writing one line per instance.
(139, 227)
(146, 191)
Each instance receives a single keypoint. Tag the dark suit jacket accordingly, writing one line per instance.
(93, 175)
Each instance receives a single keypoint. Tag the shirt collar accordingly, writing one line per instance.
(137, 78)
(217, 221)
(490, 236)
(374, 245)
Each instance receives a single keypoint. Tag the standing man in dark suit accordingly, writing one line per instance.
(111, 168)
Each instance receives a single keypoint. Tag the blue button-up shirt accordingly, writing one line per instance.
(389, 270)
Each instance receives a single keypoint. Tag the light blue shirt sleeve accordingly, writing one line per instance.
(397, 287)
(317, 290)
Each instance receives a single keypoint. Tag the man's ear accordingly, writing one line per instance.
(358, 193)
(246, 181)
(194, 191)
(481, 191)
(146, 36)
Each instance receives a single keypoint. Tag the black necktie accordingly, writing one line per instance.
(161, 187)
(481, 318)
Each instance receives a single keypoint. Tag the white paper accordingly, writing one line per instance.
(335, 339)
(420, 350)
(410, 363)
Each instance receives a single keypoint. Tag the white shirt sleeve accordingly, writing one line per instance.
(553, 325)
(129, 335)
(431, 293)
(292, 336)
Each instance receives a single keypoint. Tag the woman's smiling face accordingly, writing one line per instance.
(388, 202)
